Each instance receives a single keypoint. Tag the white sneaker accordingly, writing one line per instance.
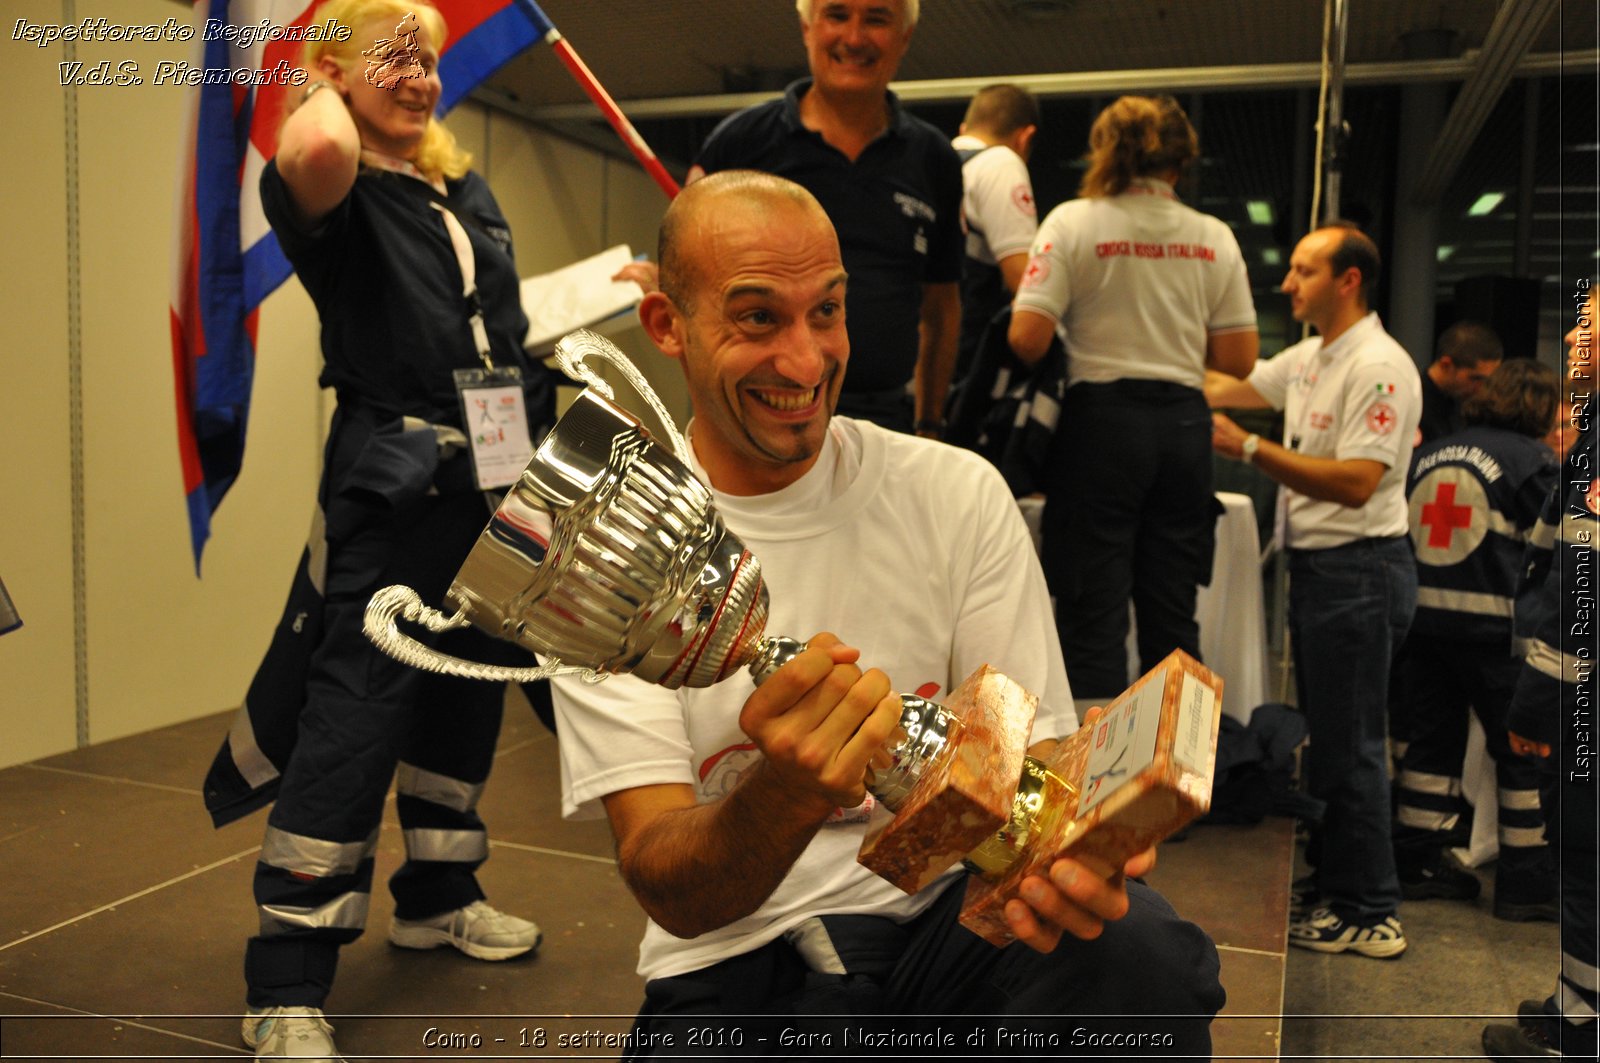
(478, 930)
(289, 1033)
(1323, 931)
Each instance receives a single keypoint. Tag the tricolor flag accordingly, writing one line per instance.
(226, 260)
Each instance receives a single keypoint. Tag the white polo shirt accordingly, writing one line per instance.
(1138, 281)
(1357, 397)
(997, 208)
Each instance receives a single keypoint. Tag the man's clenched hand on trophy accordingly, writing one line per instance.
(821, 723)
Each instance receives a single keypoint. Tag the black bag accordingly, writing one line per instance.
(1007, 410)
(1254, 773)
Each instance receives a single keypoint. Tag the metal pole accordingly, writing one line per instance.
(1522, 253)
(1098, 84)
(602, 99)
(1333, 137)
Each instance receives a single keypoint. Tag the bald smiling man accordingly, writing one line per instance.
(737, 810)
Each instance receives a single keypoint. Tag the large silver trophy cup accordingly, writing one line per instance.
(607, 556)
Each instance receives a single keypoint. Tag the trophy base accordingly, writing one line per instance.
(1142, 771)
(964, 797)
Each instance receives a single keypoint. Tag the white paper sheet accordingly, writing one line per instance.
(581, 295)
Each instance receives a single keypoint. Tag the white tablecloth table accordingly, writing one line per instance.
(1233, 628)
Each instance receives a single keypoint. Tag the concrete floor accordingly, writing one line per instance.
(1462, 969)
(124, 916)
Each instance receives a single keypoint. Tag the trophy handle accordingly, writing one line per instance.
(574, 347)
(393, 602)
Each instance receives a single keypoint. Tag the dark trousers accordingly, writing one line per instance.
(1130, 514)
(365, 712)
(1349, 609)
(932, 989)
(1441, 681)
(1569, 799)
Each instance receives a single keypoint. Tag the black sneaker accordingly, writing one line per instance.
(1324, 931)
(1506, 1043)
(1544, 911)
(1439, 881)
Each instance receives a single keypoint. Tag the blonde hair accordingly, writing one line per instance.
(438, 155)
(1137, 136)
(909, 9)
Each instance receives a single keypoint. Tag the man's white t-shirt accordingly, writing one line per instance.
(912, 551)
(1357, 397)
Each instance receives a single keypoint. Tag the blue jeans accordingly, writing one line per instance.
(1349, 609)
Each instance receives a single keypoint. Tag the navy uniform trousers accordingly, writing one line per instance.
(1142, 526)
(1441, 678)
(1146, 988)
(1572, 826)
(365, 715)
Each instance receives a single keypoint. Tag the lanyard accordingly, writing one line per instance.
(469, 285)
(460, 243)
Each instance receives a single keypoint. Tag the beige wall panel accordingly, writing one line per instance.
(470, 125)
(564, 202)
(162, 645)
(634, 205)
(37, 711)
(166, 646)
(551, 191)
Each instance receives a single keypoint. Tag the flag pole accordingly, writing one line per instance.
(602, 99)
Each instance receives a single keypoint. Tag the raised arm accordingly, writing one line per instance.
(696, 867)
(1233, 353)
(319, 148)
(1226, 392)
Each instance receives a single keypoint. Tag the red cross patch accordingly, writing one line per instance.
(1449, 515)
(1442, 516)
(1022, 196)
(1036, 273)
(1381, 418)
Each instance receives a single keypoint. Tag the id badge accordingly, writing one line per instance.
(496, 419)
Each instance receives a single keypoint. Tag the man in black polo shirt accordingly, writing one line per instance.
(1464, 357)
(891, 185)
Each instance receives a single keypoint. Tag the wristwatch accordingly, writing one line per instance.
(322, 83)
(1247, 449)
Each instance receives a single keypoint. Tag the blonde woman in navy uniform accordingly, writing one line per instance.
(375, 206)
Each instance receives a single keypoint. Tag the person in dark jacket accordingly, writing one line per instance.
(1551, 719)
(891, 184)
(1467, 352)
(1474, 496)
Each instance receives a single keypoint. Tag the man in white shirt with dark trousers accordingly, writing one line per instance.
(1351, 398)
